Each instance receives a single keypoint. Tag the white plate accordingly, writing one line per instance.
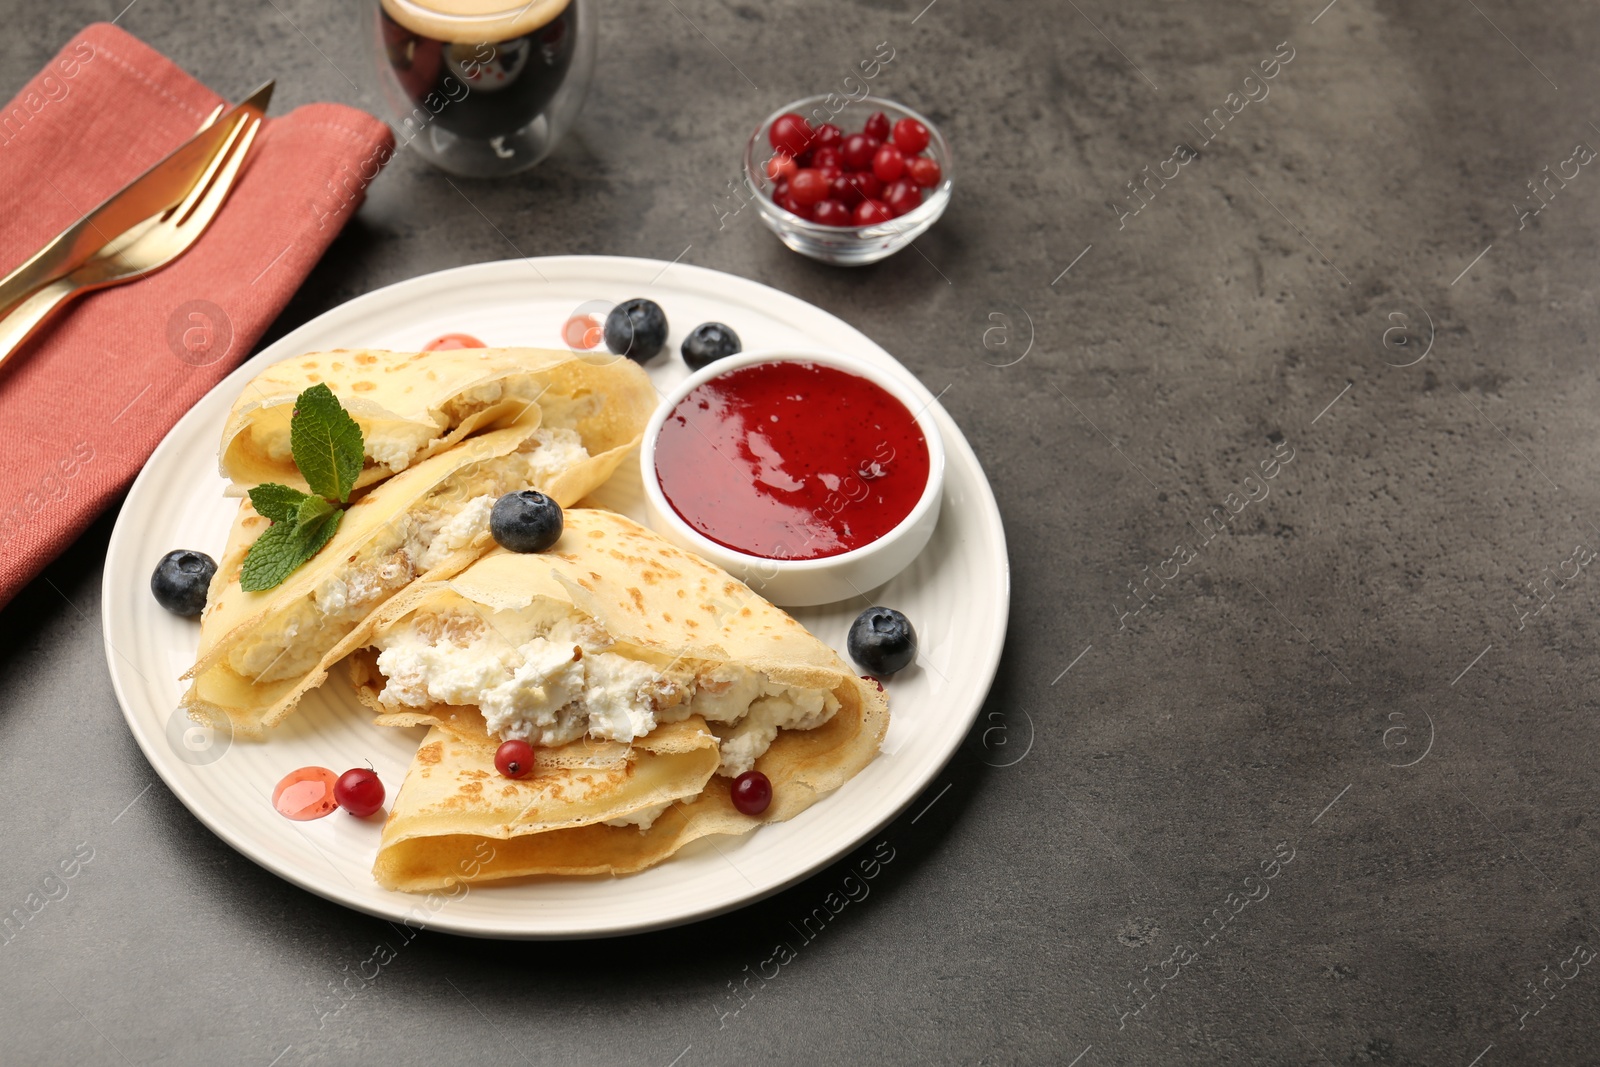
(956, 593)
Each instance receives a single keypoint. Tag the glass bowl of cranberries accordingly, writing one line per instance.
(849, 184)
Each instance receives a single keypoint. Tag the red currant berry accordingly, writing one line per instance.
(901, 196)
(808, 186)
(781, 166)
(828, 135)
(889, 163)
(514, 759)
(911, 136)
(925, 172)
(877, 126)
(827, 156)
(790, 133)
(752, 792)
(871, 212)
(359, 792)
(831, 213)
(858, 150)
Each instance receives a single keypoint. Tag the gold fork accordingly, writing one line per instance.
(145, 247)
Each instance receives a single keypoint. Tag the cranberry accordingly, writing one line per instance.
(828, 135)
(794, 207)
(780, 188)
(877, 126)
(871, 212)
(888, 163)
(808, 186)
(911, 135)
(781, 166)
(858, 150)
(901, 197)
(831, 213)
(752, 792)
(790, 133)
(925, 172)
(844, 190)
(803, 159)
(829, 174)
(359, 792)
(514, 759)
(867, 185)
(827, 156)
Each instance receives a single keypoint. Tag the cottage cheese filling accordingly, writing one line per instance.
(553, 680)
(644, 818)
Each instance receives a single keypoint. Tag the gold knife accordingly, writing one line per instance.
(150, 194)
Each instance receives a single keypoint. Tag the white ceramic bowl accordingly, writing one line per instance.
(804, 582)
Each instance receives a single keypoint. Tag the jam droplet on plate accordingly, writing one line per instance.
(451, 341)
(306, 794)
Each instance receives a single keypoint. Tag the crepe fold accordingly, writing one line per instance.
(261, 651)
(456, 819)
(413, 405)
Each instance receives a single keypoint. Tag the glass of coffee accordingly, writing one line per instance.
(480, 88)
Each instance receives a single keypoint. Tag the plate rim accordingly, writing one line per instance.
(285, 347)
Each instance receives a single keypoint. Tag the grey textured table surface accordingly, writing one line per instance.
(1351, 677)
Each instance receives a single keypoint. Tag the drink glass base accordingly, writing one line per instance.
(494, 158)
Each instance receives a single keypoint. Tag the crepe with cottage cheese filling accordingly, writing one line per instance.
(413, 405)
(261, 651)
(611, 639)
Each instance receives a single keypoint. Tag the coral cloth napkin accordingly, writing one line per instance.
(83, 403)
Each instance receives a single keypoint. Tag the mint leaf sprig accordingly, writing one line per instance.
(328, 450)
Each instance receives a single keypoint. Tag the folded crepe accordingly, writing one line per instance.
(413, 405)
(646, 679)
(261, 651)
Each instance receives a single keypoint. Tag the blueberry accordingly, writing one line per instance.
(527, 521)
(181, 579)
(882, 641)
(709, 342)
(637, 329)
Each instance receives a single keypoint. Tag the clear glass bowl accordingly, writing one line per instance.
(483, 95)
(845, 246)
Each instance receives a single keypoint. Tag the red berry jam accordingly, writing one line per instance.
(306, 794)
(580, 332)
(449, 341)
(791, 460)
